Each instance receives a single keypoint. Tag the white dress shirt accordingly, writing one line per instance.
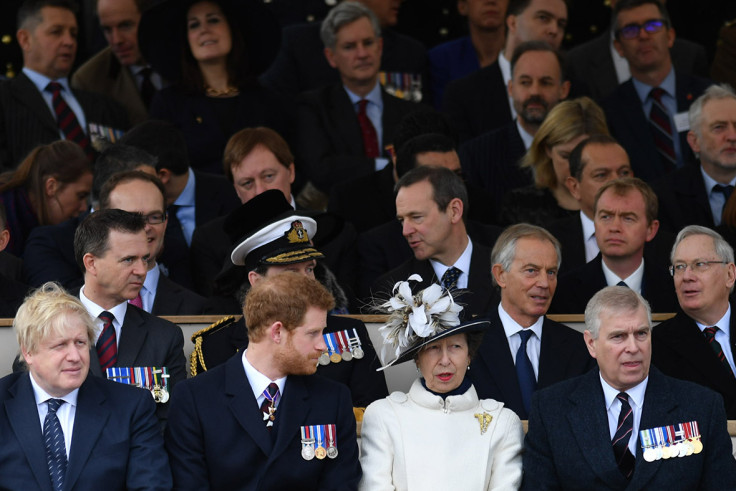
(613, 409)
(65, 413)
(462, 263)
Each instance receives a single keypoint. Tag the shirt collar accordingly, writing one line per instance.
(462, 263)
(374, 96)
(511, 327)
(151, 281)
(505, 66)
(588, 226)
(668, 84)
(710, 182)
(633, 281)
(41, 81)
(258, 381)
(43, 396)
(186, 198)
(724, 324)
(526, 137)
(636, 393)
(95, 310)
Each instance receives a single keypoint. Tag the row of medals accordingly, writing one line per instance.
(354, 351)
(309, 452)
(680, 449)
(159, 392)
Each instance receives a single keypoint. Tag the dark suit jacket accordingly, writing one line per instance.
(301, 64)
(478, 103)
(683, 199)
(592, 63)
(563, 355)
(680, 350)
(491, 161)
(359, 375)
(12, 294)
(217, 439)
(173, 299)
(577, 286)
(329, 145)
(569, 231)
(104, 75)
(49, 255)
(568, 445)
(477, 298)
(27, 122)
(630, 126)
(116, 442)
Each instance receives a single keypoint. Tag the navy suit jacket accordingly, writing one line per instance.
(173, 299)
(576, 287)
(680, 350)
(491, 161)
(569, 232)
(26, 121)
(683, 199)
(116, 443)
(477, 298)
(478, 103)
(329, 139)
(568, 445)
(592, 63)
(49, 255)
(217, 439)
(563, 355)
(630, 125)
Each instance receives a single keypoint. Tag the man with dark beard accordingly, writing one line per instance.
(537, 84)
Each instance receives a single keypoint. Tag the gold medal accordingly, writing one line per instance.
(335, 358)
(697, 446)
(320, 453)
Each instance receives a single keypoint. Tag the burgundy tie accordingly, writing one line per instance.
(67, 120)
(659, 122)
(107, 346)
(370, 137)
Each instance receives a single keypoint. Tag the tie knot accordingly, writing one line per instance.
(54, 405)
(362, 105)
(525, 334)
(272, 389)
(623, 397)
(622, 283)
(710, 332)
(656, 93)
(106, 317)
(724, 189)
(54, 87)
(450, 277)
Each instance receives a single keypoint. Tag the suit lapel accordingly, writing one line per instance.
(243, 405)
(344, 118)
(479, 280)
(23, 419)
(132, 337)
(89, 422)
(166, 299)
(551, 356)
(589, 426)
(27, 94)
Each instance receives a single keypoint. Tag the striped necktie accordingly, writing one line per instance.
(67, 120)
(624, 459)
(659, 123)
(710, 337)
(107, 346)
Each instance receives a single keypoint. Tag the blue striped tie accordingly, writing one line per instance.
(53, 438)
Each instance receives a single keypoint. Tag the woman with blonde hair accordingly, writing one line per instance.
(50, 186)
(548, 199)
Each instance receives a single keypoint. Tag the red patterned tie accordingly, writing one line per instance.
(659, 122)
(107, 346)
(370, 137)
(66, 119)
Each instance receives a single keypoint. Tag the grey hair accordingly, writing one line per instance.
(504, 251)
(342, 14)
(614, 300)
(712, 93)
(723, 249)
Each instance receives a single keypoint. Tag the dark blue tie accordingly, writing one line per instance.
(620, 442)
(525, 371)
(622, 283)
(53, 438)
(450, 277)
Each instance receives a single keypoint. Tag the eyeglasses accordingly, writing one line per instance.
(155, 218)
(631, 31)
(695, 266)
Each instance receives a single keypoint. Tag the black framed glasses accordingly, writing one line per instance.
(155, 218)
(631, 31)
(697, 266)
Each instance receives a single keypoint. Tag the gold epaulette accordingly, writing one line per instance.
(196, 355)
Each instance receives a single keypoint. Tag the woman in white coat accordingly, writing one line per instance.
(439, 435)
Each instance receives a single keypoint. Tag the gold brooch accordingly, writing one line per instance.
(484, 420)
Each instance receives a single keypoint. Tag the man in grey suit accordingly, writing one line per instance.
(30, 102)
(112, 247)
(119, 71)
(606, 429)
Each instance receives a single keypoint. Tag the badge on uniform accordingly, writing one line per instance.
(101, 135)
(341, 346)
(666, 442)
(153, 379)
(407, 86)
(319, 441)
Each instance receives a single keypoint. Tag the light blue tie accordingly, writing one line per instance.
(525, 372)
(53, 438)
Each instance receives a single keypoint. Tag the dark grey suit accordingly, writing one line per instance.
(26, 121)
(568, 445)
(173, 299)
